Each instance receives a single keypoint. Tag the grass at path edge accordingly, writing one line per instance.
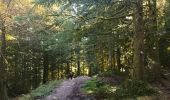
(42, 90)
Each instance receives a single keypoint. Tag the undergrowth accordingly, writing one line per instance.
(45, 89)
(42, 90)
(134, 89)
(112, 73)
(98, 89)
(127, 89)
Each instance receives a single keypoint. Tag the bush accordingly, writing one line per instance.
(133, 89)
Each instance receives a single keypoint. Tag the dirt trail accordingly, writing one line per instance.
(68, 90)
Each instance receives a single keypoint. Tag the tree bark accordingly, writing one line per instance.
(138, 46)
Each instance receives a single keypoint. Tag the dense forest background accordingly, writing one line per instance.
(43, 40)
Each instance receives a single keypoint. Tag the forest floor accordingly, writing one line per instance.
(163, 89)
(69, 90)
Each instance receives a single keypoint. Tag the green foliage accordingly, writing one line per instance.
(108, 73)
(111, 73)
(98, 89)
(90, 86)
(87, 31)
(45, 89)
(134, 88)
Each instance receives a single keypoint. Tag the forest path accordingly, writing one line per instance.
(68, 90)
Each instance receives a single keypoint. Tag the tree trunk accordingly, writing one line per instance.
(52, 69)
(110, 52)
(138, 46)
(118, 61)
(154, 48)
(68, 68)
(46, 67)
(3, 90)
(102, 62)
(58, 72)
(78, 61)
(78, 67)
(90, 71)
